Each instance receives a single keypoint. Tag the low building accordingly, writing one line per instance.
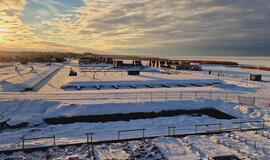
(176, 67)
(255, 77)
(109, 60)
(118, 63)
(195, 67)
(72, 73)
(86, 59)
(60, 60)
(161, 64)
(185, 66)
(137, 63)
(133, 72)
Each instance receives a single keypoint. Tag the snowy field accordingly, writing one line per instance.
(244, 145)
(103, 90)
(25, 78)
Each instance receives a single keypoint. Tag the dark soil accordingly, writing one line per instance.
(138, 115)
(5, 125)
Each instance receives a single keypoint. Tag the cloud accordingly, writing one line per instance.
(14, 30)
(16, 35)
(160, 26)
(12, 4)
(48, 4)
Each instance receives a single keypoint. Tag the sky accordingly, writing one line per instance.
(137, 27)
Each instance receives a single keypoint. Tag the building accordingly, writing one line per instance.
(176, 67)
(88, 59)
(133, 72)
(195, 67)
(161, 64)
(137, 63)
(254, 77)
(118, 63)
(109, 60)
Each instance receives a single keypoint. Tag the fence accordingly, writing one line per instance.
(247, 100)
(134, 97)
(37, 138)
(91, 137)
(220, 129)
(207, 125)
(131, 130)
(143, 97)
(241, 123)
(233, 77)
(173, 130)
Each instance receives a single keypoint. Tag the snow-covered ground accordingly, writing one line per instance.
(27, 76)
(238, 144)
(169, 91)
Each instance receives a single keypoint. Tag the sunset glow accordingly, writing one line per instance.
(143, 27)
(1, 33)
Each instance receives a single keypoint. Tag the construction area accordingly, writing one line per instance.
(102, 107)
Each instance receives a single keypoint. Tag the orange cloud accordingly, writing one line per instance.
(12, 4)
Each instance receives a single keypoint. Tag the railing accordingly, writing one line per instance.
(37, 138)
(91, 137)
(234, 77)
(241, 123)
(134, 97)
(170, 128)
(207, 125)
(131, 130)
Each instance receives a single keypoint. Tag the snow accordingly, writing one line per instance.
(101, 109)
(113, 151)
(174, 149)
(54, 101)
(108, 77)
(34, 111)
(204, 148)
(191, 147)
(25, 78)
(243, 143)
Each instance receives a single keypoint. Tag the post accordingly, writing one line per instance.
(169, 130)
(54, 141)
(195, 94)
(220, 126)
(131, 130)
(210, 92)
(226, 96)
(263, 123)
(165, 96)
(196, 129)
(241, 125)
(151, 97)
(180, 96)
(91, 137)
(23, 143)
(136, 97)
